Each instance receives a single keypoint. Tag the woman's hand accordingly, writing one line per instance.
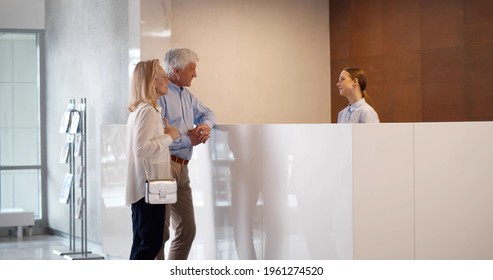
(172, 131)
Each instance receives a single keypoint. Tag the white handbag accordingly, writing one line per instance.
(161, 191)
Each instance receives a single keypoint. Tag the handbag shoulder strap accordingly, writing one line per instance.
(145, 169)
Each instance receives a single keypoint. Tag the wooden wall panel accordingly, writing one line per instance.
(339, 30)
(401, 94)
(366, 28)
(478, 89)
(442, 23)
(401, 26)
(478, 21)
(478, 59)
(430, 60)
(443, 85)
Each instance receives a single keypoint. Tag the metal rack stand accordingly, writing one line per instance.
(77, 203)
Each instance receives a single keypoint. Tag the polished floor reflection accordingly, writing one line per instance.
(36, 247)
(40, 247)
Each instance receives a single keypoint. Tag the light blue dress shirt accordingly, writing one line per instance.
(184, 111)
(359, 112)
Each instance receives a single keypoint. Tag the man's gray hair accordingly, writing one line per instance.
(178, 58)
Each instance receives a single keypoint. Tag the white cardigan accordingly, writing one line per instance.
(146, 142)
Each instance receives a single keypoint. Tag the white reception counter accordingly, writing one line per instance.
(327, 191)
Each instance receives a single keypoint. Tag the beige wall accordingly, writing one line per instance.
(260, 61)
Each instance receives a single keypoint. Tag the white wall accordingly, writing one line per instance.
(22, 14)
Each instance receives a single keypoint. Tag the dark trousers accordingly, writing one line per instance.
(147, 226)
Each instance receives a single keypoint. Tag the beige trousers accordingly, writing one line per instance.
(182, 217)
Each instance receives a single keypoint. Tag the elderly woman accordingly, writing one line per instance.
(148, 150)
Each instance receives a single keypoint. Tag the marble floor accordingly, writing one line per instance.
(36, 247)
(42, 247)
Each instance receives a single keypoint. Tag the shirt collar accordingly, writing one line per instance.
(174, 87)
(358, 104)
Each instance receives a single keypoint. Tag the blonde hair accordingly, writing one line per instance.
(142, 88)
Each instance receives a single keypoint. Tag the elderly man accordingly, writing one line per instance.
(194, 122)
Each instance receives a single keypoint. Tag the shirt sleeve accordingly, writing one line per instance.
(340, 116)
(182, 141)
(202, 114)
(369, 115)
(147, 143)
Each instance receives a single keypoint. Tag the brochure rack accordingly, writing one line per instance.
(74, 189)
